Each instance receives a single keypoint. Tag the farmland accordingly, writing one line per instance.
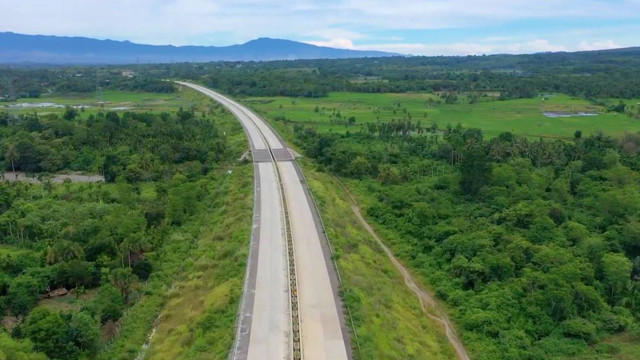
(519, 116)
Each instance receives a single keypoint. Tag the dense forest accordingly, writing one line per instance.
(593, 74)
(607, 75)
(34, 82)
(109, 245)
(533, 245)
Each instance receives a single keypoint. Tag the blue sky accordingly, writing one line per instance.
(435, 27)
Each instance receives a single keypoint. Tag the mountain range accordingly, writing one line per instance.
(42, 49)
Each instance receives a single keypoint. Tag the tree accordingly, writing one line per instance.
(620, 108)
(388, 175)
(47, 331)
(616, 269)
(62, 335)
(70, 113)
(123, 279)
(108, 303)
(142, 268)
(580, 329)
(63, 250)
(577, 135)
(359, 167)
(12, 155)
(76, 273)
(180, 200)
(12, 349)
(474, 168)
(23, 294)
(112, 167)
(83, 332)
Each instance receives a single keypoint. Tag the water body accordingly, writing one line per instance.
(561, 114)
(44, 105)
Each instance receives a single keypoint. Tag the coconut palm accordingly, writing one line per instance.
(12, 155)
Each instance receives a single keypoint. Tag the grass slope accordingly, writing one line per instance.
(198, 319)
(192, 301)
(388, 320)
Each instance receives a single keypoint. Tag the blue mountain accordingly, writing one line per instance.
(41, 49)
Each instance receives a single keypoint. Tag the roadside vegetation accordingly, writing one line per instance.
(198, 319)
(365, 270)
(86, 268)
(529, 243)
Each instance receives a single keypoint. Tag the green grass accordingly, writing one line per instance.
(70, 302)
(623, 346)
(193, 297)
(197, 321)
(388, 320)
(521, 116)
(197, 317)
(8, 250)
(112, 101)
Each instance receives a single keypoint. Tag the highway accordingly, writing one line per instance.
(290, 307)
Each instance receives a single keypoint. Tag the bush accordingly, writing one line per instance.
(579, 328)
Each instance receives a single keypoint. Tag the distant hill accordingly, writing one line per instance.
(40, 49)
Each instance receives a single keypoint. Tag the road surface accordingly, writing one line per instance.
(266, 328)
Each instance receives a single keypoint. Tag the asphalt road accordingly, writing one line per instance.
(264, 326)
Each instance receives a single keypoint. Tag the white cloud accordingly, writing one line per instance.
(339, 23)
(426, 49)
(467, 48)
(334, 33)
(598, 45)
(492, 39)
(335, 43)
(533, 47)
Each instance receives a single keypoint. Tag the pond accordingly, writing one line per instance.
(43, 105)
(562, 114)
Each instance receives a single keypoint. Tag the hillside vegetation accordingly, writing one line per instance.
(531, 244)
(116, 246)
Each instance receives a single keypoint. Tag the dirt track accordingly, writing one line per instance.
(55, 178)
(427, 302)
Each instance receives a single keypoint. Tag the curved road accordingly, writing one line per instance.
(282, 205)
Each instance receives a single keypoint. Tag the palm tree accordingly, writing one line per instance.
(12, 155)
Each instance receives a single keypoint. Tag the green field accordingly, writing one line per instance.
(521, 116)
(110, 100)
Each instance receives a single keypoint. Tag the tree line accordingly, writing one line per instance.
(595, 75)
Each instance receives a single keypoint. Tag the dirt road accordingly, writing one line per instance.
(427, 302)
